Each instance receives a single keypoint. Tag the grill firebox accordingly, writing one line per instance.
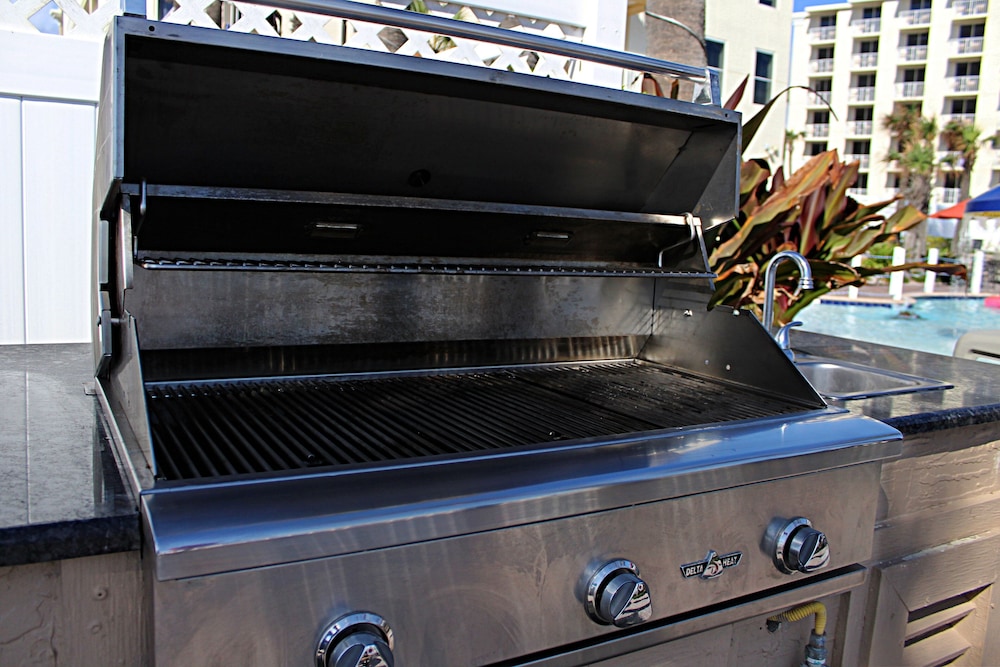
(211, 429)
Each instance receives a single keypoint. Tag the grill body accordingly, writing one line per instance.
(436, 352)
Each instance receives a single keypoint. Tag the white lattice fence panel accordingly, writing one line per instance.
(68, 17)
(264, 20)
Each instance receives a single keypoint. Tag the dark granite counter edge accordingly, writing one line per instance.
(38, 543)
(927, 422)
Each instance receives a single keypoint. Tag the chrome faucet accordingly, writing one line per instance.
(805, 282)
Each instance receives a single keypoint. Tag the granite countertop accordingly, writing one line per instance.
(61, 492)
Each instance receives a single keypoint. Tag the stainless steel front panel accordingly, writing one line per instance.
(486, 597)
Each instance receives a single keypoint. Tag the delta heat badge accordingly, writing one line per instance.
(712, 565)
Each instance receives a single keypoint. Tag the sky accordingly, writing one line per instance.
(802, 4)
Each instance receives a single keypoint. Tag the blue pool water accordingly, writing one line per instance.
(930, 325)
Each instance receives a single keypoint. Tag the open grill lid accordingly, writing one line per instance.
(394, 156)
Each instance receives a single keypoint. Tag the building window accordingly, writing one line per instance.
(864, 80)
(860, 148)
(868, 46)
(714, 51)
(963, 105)
(862, 113)
(824, 53)
(762, 78)
(916, 5)
(815, 148)
(967, 69)
(971, 30)
(871, 12)
(917, 39)
(862, 182)
(915, 74)
(769, 3)
(827, 21)
(819, 117)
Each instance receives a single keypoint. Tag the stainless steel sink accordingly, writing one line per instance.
(844, 380)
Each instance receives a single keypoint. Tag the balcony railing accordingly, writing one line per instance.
(967, 118)
(964, 45)
(965, 84)
(857, 192)
(860, 128)
(866, 60)
(910, 89)
(821, 65)
(823, 33)
(913, 53)
(950, 195)
(820, 99)
(915, 16)
(862, 158)
(817, 130)
(866, 94)
(970, 7)
(867, 25)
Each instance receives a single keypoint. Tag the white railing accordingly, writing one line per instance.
(823, 33)
(866, 94)
(964, 45)
(958, 117)
(970, 7)
(950, 195)
(867, 25)
(916, 16)
(860, 128)
(820, 99)
(913, 53)
(863, 159)
(965, 84)
(65, 17)
(910, 89)
(817, 129)
(866, 60)
(821, 65)
(857, 192)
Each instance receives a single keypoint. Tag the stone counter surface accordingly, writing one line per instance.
(62, 494)
(975, 398)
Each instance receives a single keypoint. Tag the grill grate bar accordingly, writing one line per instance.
(253, 426)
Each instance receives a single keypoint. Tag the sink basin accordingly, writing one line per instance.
(844, 380)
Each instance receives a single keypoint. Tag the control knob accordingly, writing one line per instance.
(361, 639)
(799, 547)
(617, 596)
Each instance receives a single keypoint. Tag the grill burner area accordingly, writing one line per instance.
(210, 429)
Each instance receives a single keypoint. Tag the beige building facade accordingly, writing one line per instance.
(866, 57)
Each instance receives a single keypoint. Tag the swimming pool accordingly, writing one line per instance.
(930, 325)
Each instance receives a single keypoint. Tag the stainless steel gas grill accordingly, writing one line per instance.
(411, 361)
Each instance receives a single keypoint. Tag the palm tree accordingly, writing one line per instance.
(964, 139)
(788, 148)
(913, 136)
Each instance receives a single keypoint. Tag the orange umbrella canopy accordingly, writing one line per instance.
(956, 211)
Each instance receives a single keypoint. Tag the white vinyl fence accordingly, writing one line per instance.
(48, 98)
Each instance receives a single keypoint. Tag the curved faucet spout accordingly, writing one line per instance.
(805, 282)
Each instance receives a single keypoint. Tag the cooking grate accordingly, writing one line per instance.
(209, 429)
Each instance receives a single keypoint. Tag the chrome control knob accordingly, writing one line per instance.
(617, 596)
(800, 548)
(356, 640)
